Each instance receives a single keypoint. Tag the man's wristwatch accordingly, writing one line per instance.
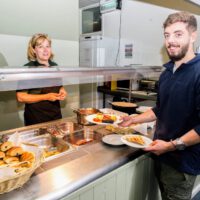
(179, 144)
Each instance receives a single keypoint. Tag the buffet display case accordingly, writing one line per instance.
(91, 170)
(81, 84)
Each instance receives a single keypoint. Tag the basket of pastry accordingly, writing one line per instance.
(17, 164)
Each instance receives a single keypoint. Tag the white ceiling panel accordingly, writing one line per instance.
(84, 3)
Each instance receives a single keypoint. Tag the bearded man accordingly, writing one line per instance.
(176, 145)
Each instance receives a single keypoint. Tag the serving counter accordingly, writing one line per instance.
(87, 168)
(94, 171)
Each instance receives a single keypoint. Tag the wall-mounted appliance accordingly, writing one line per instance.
(91, 22)
(109, 5)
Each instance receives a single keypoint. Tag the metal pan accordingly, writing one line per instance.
(83, 112)
(126, 107)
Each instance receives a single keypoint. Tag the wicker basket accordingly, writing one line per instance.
(9, 184)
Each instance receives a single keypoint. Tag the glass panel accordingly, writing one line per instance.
(24, 78)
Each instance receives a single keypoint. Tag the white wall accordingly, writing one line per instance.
(58, 18)
(14, 49)
(142, 26)
(142, 23)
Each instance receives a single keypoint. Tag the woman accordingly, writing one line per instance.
(41, 104)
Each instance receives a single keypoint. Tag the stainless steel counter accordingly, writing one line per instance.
(61, 176)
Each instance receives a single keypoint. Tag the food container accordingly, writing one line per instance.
(66, 127)
(83, 137)
(126, 107)
(83, 112)
(53, 147)
(24, 135)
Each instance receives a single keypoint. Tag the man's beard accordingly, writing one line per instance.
(180, 55)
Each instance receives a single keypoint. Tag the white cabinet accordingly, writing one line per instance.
(132, 181)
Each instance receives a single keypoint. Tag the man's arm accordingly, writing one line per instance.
(159, 147)
(191, 138)
(147, 116)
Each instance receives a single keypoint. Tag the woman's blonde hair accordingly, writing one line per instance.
(36, 40)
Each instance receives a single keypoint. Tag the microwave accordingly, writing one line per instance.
(91, 20)
(91, 16)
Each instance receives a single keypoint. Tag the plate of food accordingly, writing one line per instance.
(119, 129)
(103, 119)
(112, 139)
(137, 141)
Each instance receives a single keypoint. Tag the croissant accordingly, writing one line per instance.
(2, 163)
(10, 159)
(2, 154)
(14, 151)
(27, 156)
(6, 145)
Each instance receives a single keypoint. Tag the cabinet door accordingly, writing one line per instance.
(144, 183)
(71, 197)
(105, 190)
(74, 198)
(133, 181)
(121, 186)
(87, 195)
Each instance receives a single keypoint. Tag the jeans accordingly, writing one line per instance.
(174, 185)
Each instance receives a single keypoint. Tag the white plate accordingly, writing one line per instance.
(90, 118)
(147, 141)
(113, 139)
(142, 109)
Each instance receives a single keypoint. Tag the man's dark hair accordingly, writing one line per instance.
(184, 17)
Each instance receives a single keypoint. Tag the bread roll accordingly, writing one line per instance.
(2, 154)
(14, 151)
(6, 145)
(10, 159)
(2, 163)
(27, 156)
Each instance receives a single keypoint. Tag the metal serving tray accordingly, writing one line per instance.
(53, 147)
(61, 129)
(24, 135)
(82, 137)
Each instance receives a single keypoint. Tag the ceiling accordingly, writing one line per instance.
(84, 3)
(185, 5)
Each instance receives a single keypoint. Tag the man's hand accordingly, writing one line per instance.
(127, 121)
(147, 116)
(159, 147)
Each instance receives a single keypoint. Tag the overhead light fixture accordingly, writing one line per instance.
(197, 2)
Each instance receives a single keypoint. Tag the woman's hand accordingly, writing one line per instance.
(52, 96)
(159, 147)
(62, 93)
